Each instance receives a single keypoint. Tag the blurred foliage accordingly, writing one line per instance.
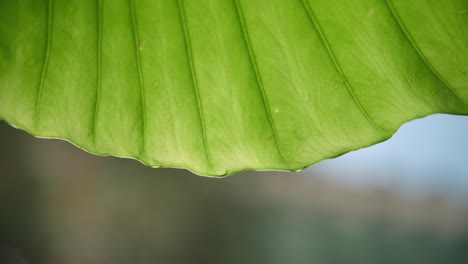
(59, 204)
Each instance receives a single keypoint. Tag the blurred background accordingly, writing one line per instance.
(402, 201)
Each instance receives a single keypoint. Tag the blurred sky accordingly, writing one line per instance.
(425, 155)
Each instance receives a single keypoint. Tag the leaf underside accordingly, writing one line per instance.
(220, 86)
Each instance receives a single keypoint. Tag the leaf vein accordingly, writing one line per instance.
(99, 67)
(45, 65)
(188, 47)
(258, 79)
(140, 75)
(313, 19)
(416, 47)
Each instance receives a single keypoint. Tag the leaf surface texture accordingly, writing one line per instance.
(220, 86)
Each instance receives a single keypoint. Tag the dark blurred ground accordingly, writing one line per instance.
(59, 204)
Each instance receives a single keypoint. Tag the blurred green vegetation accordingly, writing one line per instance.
(59, 204)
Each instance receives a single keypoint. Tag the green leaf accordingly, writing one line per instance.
(220, 86)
